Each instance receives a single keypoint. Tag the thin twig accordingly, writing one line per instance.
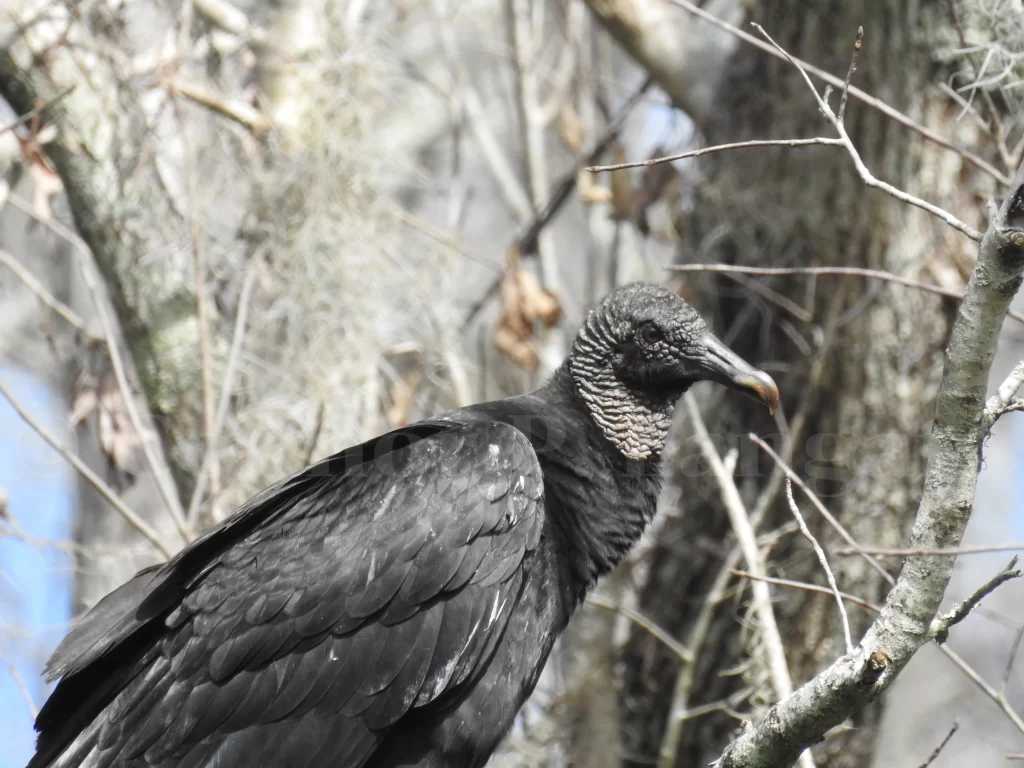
(1003, 402)
(33, 710)
(941, 625)
(91, 477)
(999, 698)
(1010, 660)
(824, 563)
(985, 688)
(527, 240)
(718, 148)
(858, 43)
(931, 759)
(46, 297)
(866, 175)
(807, 587)
(226, 388)
(679, 710)
(652, 628)
(777, 666)
(203, 322)
(86, 264)
(835, 82)
(233, 109)
(822, 509)
(533, 125)
(876, 274)
(879, 552)
(321, 411)
(36, 111)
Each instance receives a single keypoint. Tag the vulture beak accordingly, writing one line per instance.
(721, 364)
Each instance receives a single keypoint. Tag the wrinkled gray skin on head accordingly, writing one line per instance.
(631, 376)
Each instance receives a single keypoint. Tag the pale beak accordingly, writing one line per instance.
(724, 366)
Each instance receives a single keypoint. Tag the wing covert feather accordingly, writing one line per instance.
(380, 590)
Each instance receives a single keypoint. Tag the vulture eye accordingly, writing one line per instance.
(651, 334)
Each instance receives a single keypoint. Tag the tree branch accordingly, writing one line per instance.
(866, 176)
(818, 140)
(876, 274)
(91, 477)
(824, 563)
(771, 638)
(944, 510)
(940, 627)
(862, 96)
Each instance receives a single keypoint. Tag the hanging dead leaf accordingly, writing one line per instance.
(590, 191)
(522, 352)
(535, 301)
(524, 302)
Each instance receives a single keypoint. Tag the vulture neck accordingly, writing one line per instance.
(598, 499)
(634, 422)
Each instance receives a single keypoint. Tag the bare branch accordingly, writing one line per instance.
(233, 109)
(931, 759)
(37, 110)
(719, 148)
(91, 477)
(940, 627)
(835, 82)
(858, 43)
(1003, 401)
(46, 297)
(777, 665)
(679, 710)
(876, 274)
(824, 563)
(1010, 660)
(822, 509)
(988, 690)
(942, 516)
(649, 626)
(33, 710)
(808, 588)
(321, 411)
(227, 387)
(866, 175)
(876, 552)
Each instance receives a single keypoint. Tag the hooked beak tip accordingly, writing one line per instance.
(762, 385)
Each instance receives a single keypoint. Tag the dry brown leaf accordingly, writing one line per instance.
(537, 302)
(590, 191)
(524, 302)
(522, 352)
(570, 128)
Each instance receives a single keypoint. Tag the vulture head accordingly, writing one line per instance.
(638, 351)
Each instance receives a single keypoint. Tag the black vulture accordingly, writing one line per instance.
(394, 604)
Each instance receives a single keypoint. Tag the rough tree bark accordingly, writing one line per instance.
(866, 417)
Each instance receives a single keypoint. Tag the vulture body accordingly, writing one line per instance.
(394, 604)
